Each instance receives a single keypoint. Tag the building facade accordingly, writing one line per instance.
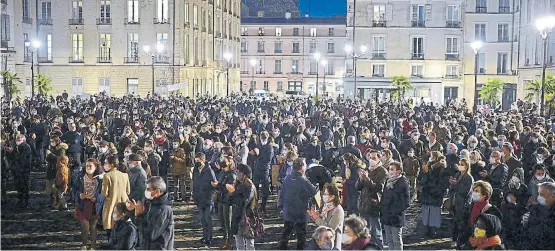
(7, 48)
(94, 46)
(283, 50)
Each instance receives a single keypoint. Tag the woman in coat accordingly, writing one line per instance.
(356, 235)
(434, 184)
(178, 158)
(244, 198)
(332, 214)
(476, 165)
(459, 193)
(62, 182)
(514, 207)
(115, 189)
(86, 190)
(227, 177)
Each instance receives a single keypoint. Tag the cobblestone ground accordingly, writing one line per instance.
(39, 227)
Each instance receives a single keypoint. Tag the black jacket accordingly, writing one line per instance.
(124, 236)
(241, 199)
(395, 202)
(74, 140)
(156, 226)
(228, 177)
(202, 187)
(264, 158)
(22, 157)
(538, 232)
(434, 184)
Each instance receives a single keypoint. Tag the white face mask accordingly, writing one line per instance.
(346, 239)
(461, 168)
(392, 174)
(476, 196)
(410, 154)
(90, 170)
(540, 177)
(148, 195)
(492, 160)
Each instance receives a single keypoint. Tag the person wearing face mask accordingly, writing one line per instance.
(264, 153)
(21, 166)
(414, 143)
(538, 232)
(241, 150)
(115, 189)
(153, 158)
(203, 191)
(486, 234)
(156, 226)
(412, 165)
(540, 176)
(433, 182)
(125, 235)
(75, 143)
(86, 191)
(528, 157)
(137, 177)
(244, 198)
(313, 152)
(513, 208)
(509, 158)
(331, 215)
(496, 173)
(322, 239)
(179, 170)
(459, 195)
(395, 202)
(296, 195)
(227, 177)
(55, 150)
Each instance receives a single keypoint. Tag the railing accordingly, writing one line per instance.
(161, 59)
(278, 72)
(76, 59)
(278, 51)
(260, 50)
(161, 20)
(296, 51)
(44, 60)
(480, 9)
(45, 21)
(380, 75)
(451, 76)
(378, 55)
(131, 60)
(260, 72)
(417, 75)
(27, 20)
(104, 59)
(330, 72)
(453, 24)
(296, 33)
(418, 23)
(244, 72)
(135, 21)
(243, 51)
(103, 21)
(503, 39)
(452, 56)
(27, 58)
(417, 56)
(76, 21)
(504, 9)
(196, 62)
(379, 23)
(311, 73)
(296, 73)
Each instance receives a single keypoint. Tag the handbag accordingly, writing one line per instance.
(253, 225)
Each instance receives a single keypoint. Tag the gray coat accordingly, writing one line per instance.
(156, 227)
(296, 195)
(137, 183)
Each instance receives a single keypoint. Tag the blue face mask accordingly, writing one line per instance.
(363, 141)
(449, 151)
(290, 163)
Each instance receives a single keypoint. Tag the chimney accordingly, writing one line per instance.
(287, 15)
(306, 14)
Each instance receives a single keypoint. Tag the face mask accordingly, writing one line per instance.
(126, 154)
(541, 200)
(392, 174)
(539, 177)
(461, 168)
(476, 196)
(415, 137)
(175, 146)
(148, 195)
(410, 154)
(534, 140)
(473, 145)
(90, 170)
(263, 142)
(515, 180)
(106, 168)
(148, 149)
(449, 151)
(290, 163)
(346, 239)
(115, 217)
(479, 233)
(326, 199)
(328, 245)
(372, 162)
(492, 160)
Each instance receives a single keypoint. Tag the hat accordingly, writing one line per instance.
(508, 145)
(135, 157)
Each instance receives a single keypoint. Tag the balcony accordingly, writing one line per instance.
(260, 72)
(503, 39)
(260, 50)
(132, 21)
(311, 73)
(44, 59)
(104, 59)
(295, 73)
(378, 55)
(451, 76)
(378, 75)
(417, 56)
(104, 21)
(76, 59)
(161, 20)
(27, 57)
(161, 59)
(453, 24)
(379, 23)
(131, 60)
(278, 51)
(504, 9)
(76, 21)
(481, 9)
(244, 72)
(27, 20)
(452, 56)
(45, 21)
(418, 23)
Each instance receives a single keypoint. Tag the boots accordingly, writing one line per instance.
(226, 246)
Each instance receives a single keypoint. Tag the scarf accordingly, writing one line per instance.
(391, 181)
(476, 210)
(484, 242)
(327, 208)
(160, 141)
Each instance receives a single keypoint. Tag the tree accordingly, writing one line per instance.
(490, 91)
(400, 85)
(44, 84)
(10, 84)
(534, 90)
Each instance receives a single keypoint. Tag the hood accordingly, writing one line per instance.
(62, 146)
(493, 224)
(520, 173)
(439, 164)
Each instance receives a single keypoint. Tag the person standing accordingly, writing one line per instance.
(137, 177)
(115, 189)
(395, 201)
(264, 156)
(332, 215)
(56, 150)
(460, 190)
(538, 231)
(295, 198)
(85, 192)
(496, 174)
(243, 196)
(204, 181)
(74, 140)
(227, 176)
(22, 167)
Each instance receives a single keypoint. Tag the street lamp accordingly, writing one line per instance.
(324, 64)
(544, 25)
(34, 46)
(350, 52)
(159, 50)
(253, 64)
(476, 45)
(317, 58)
(227, 57)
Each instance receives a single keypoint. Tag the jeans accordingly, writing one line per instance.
(263, 178)
(225, 221)
(352, 199)
(243, 243)
(300, 230)
(394, 237)
(206, 221)
(376, 228)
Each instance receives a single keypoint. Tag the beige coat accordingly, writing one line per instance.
(115, 189)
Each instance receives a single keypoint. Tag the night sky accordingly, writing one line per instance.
(323, 8)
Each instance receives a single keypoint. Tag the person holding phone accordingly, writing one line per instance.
(204, 183)
(85, 193)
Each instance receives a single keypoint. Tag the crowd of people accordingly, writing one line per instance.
(352, 168)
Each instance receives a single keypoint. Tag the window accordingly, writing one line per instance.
(451, 71)
(295, 31)
(277, 47)
(162, 11)
(312, 47)
(481, 6)
(452, 45)
(46, 12)
(417, 48)
(195, 15)
(5, 29)
(253, 85)
(244, 47)
(313, 67)
(133, 46)
(378, 46)
(277, 66)
(26, 11)
(417, 70)
(186, 49)
(186, 12)
(26, 54)
(379, 13)
(295, 66)
(312, 32)
(504, 6)
(133, 86)
(453, 13)
(105, 44)
(330, 32)
(105, 12)
(503, 32)
(331, 47)
(480, 32)
(76, 87)
(378, 70)
(482, 63)
(77, 9)
(418, 12)
(260, 46)
(260, 31)
(244, 31)
(104, 85)
(330, 69)
(295, 86)
(296, 47)
(162, 38)
(77, 44)
(450, 93)
(502, 62)
(266, 86)
(260, 67)
(279, 86)
(278, 32)
(49, 47)
(202, 17)
(28, 87)
(162, 87)
(133, 11)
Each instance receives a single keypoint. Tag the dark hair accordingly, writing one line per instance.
(358, 225)
(200, 156)
(122, 208)
(97, 166)
(298, 164)
(245, 170)
(333, 190)
(112, 160)
(397, 165)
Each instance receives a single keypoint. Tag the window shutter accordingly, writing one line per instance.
(428, 12)
(414, 13)
(388, 12)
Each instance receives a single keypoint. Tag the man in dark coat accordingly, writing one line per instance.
(204, 181)
(350, 148)
(21, 168)
(137, 177)
(496, 174)
(264, 155)
(75, 142)
(394, 204)
(538, 232)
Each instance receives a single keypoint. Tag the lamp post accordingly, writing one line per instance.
(355, 55)
(159, 50)
(544, 25)
(317, 58)
(34, 46)
(476, 45)
(324, 64)
(253, 63)
(227, 57)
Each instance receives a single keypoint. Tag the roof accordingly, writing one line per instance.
(300, 20)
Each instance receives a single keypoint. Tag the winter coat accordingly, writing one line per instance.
(460, 193)
(241, 200)
(513, 163)
(263, 160)
(202, 188)
(411, 166)
(115, 189)
(78, 188)
(153, 160)
(395, 202)
(318, 175)
(137, 183)
(434, 184)
(74, 140)
(156, 227)
(350, 149)
(225, 178)
(52, 159)
(372, 191)
(22, 158)
(313, 153)
(476, 168)
(62, 176)
(533, 185)
(124, 236)
(407, 144)
(295, 198)
(284, 170)
(242, 153)
(178, 162)
(538, 232)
